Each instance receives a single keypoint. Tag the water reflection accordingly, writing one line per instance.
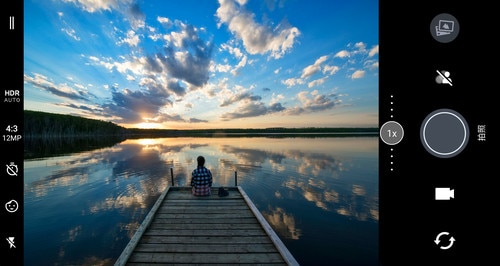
(86, 206)
(283, 223)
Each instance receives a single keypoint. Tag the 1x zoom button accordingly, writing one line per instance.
(444, 133)
(391, 133)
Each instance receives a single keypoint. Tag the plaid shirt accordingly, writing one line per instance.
(201, 181)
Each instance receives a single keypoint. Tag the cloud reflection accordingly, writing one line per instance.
(311, 171)
(119, 184)
(282, 222)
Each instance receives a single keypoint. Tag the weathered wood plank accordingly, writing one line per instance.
(206, 203)
(205, 233)
(190, 207)
(203, 226)
(205, 215)
(203, 248)
(233, 194)
(205, 240)
(206, 258)
(191, 221)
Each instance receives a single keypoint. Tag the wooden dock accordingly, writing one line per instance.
(189, 230)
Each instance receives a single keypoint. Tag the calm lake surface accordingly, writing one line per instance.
(319, 194)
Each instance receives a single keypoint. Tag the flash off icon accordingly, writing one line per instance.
(444, 193)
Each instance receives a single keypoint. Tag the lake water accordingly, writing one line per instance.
(320, 194)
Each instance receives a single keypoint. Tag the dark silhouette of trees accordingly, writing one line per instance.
(49, 125)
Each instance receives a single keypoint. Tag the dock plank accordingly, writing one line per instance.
(203, 248)
(184, 229)
(207, 258)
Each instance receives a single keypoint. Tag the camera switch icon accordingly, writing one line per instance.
(444, 193)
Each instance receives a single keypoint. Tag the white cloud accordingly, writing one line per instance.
(132, 39)
(317, 82)
(312, 69)
(343, 54)
(257, 38)
(358, 74)
(166, 22)
(330, 70)
(97, 5)
(373, 51)
(292, 82)
(235, 51)
(361, 46)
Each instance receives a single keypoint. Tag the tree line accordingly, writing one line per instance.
(48, 125)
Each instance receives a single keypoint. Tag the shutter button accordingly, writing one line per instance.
(444, 133)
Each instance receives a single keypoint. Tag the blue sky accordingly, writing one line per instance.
(204, 63)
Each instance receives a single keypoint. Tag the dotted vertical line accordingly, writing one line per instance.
(392, 149)
(392, 106)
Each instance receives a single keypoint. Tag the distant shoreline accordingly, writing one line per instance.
(270, 132)
(48, 125)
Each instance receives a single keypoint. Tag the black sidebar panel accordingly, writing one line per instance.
(438, 126)
(11, 140)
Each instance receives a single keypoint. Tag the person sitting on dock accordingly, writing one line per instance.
(201, 179)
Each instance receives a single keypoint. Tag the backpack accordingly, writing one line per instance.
(223, 192)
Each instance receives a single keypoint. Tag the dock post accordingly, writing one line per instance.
(235, 178)
(172, 175)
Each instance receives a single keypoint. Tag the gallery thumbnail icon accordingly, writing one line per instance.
(444, 28)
